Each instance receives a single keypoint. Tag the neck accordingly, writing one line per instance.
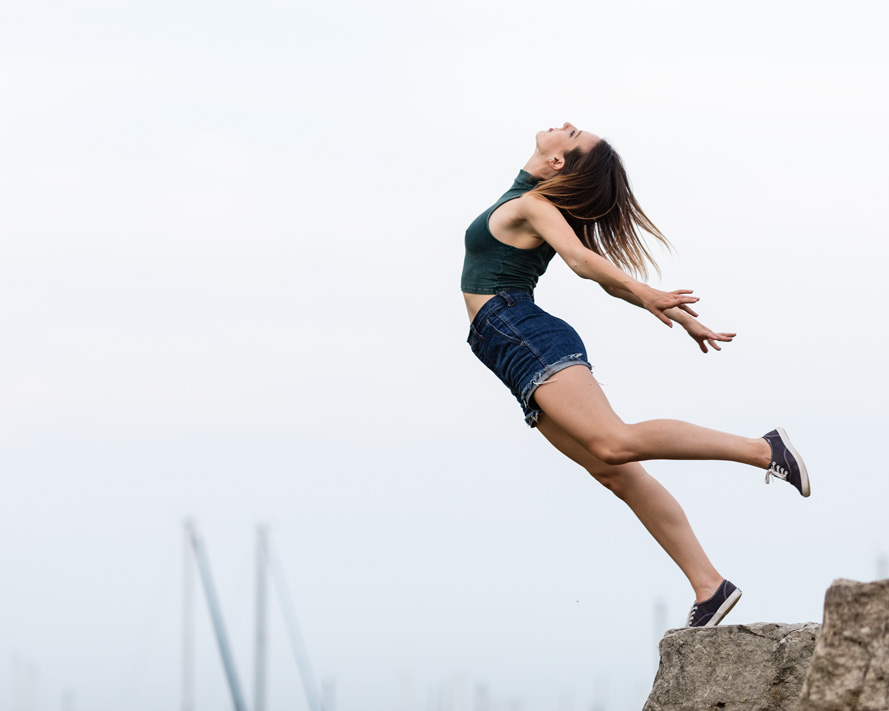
(539, 167)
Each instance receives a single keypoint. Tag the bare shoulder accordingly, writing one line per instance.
(538, 212)
(530, 204)
(544, 221)
(515, 210)
(510, 223)
(522, 211)
(542, 217)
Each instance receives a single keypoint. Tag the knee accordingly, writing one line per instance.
(612, 449)
(615, 456)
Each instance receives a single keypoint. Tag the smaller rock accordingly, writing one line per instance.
(850, 666)
(758, 667)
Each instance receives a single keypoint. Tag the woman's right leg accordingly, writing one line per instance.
(574, 401)
(655, 507)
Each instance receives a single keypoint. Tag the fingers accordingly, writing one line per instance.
(709, 337)
(672, 301)
(682, 296)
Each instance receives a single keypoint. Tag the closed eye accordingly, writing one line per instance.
(572, 134)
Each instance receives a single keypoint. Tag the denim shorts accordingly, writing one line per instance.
(523, 345)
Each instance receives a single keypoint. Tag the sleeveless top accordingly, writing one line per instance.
(490, 266)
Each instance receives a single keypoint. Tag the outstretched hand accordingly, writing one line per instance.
(657, 301)
(704, 335)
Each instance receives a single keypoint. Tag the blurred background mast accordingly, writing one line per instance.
(300, 652)
(261, 619)
(216, 616)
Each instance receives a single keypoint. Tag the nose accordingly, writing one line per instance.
(567, 126)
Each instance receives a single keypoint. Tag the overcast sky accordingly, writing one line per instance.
(230, 243)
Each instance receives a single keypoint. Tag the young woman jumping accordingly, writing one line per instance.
(573, 199)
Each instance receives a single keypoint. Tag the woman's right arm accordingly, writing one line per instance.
(546, 222)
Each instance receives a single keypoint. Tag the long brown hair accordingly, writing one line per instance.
(593, 194)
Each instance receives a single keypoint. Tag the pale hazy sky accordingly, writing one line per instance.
(229, 288)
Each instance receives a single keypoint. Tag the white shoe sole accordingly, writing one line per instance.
(724, 608)
(803, 474)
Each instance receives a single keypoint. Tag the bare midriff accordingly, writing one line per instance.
(474, 302)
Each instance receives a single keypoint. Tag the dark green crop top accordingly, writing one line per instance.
(490, 266)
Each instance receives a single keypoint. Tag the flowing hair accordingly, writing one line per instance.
(593, 194)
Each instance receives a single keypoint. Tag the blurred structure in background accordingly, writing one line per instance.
(268, 567)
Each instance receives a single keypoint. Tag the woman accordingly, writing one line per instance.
(573, 199)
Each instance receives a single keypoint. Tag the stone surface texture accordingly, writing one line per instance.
(758, 667)
(850, 666)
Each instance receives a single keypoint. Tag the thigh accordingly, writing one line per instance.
(612, 476)
(574, 402)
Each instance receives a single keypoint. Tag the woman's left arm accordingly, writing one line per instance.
(687, 319)
(546, 222)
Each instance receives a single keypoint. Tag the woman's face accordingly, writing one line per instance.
(557, 141)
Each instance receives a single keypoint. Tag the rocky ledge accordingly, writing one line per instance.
(842, 666)
(758, 667)
(850, 667)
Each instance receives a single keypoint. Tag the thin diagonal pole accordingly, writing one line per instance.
(228, 661)
(261, 620)
(300, 652)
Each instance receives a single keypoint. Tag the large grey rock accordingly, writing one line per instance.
(759, 667)
(850, 667)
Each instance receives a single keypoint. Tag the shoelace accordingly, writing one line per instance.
(776, 471)
(691, 615)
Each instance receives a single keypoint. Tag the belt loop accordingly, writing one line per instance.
(507, 298)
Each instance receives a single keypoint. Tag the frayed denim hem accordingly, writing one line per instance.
(533, 414)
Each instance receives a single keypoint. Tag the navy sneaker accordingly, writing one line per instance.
(710, 612)
(786, 462)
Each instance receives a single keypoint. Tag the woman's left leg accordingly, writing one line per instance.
(655, 507)
(574, 401)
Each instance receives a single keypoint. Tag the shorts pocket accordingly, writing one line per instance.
(504, 330)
